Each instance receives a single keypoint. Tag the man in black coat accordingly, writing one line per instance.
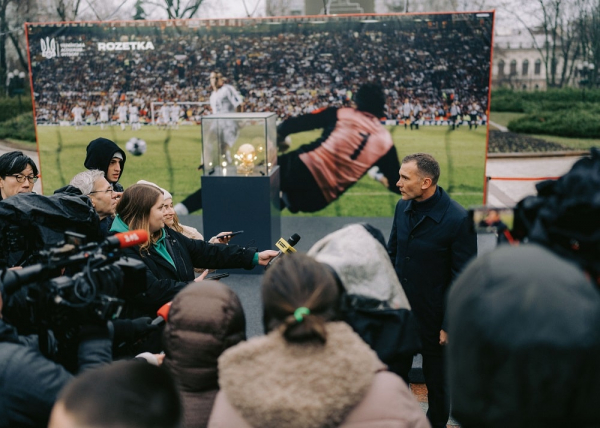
(429, 245)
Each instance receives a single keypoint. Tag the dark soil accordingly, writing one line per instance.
(509, 142)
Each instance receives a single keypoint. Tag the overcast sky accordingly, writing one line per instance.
(236, 9)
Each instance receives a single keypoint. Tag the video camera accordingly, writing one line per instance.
(564, 216)
(76, 283)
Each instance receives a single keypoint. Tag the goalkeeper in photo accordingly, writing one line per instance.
(353, 141)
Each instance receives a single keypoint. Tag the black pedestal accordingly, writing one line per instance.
(237, 203)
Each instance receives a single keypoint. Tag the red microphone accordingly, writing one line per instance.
(125, 239)
(163, 314)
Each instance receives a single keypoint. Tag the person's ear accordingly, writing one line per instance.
(426, 183)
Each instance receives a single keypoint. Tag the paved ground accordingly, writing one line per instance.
(507, 193)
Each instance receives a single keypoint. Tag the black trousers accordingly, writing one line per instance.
(437, 390)
(435, 379)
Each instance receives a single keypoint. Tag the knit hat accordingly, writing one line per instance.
(166, 193)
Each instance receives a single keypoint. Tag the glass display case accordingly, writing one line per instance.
(239, 144)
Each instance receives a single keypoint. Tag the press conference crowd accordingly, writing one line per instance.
(510, 338)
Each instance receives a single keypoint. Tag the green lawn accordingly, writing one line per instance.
(172, 159)
(502, 118)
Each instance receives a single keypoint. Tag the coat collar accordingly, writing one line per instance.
(274, 383)
(438, 210)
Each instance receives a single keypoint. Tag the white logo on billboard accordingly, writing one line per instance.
(49, 48)
(125, 46)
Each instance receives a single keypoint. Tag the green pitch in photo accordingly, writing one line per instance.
(173, 156)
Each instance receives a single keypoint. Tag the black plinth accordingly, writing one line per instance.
(243, 203)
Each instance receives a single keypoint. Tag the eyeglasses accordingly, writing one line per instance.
(21, 178)
(110, 189)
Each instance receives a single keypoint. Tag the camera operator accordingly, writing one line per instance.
(30, 382)
(524, 336)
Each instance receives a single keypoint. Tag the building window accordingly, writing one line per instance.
(538, 67)
(501, 68)
(525, 68)
(513, 67)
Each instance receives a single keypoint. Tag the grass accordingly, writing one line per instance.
(575, 143)
(502, 118)
(172, 159)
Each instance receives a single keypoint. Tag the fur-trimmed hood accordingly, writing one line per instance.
(362, 264)
(274, 383)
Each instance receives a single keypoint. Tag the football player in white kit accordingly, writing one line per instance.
(103, 110)
(77, 116)
(174, 113)
(134, 117)
(122, 110)
(225, 99)
(164, 116)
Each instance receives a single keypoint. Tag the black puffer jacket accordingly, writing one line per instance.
(30, 383)
(164, 281)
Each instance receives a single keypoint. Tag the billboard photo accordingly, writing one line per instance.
(150, 82)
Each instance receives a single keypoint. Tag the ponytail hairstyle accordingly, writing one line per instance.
(300, 296)
(134, 209)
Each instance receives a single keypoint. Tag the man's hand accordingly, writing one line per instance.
(264, 257)
(443, 338)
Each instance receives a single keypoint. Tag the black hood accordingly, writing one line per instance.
(99, 154)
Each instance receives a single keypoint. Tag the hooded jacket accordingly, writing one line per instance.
(204, 320)
(99, 154)
(361, 263)
(30, 383)
(268, 382)
(524, 342)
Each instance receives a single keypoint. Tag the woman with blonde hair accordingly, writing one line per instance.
(168, 255)
(309, 371)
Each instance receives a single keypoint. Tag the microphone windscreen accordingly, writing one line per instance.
(131, 238)
(164, 311)
(294, 239)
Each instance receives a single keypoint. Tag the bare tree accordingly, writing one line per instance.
(437, 5)
(554, 33)
(13, 13)
(177, 9)
(67, 10)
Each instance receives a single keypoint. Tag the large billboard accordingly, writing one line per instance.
(150, 81)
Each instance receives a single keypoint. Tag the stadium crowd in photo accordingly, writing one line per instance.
(287, 67)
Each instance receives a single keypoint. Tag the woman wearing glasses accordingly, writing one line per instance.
(18, 174)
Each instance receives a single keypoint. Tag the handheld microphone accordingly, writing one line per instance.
(285, 247)
(125, 239)
(163, 314)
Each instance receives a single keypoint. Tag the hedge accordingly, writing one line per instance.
(572, 122)
(504, 100)
(20, 128)
(10, 107)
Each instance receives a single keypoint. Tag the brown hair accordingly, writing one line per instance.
(426, 164)
(176, 226)
(134, 209)
(299, 281)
